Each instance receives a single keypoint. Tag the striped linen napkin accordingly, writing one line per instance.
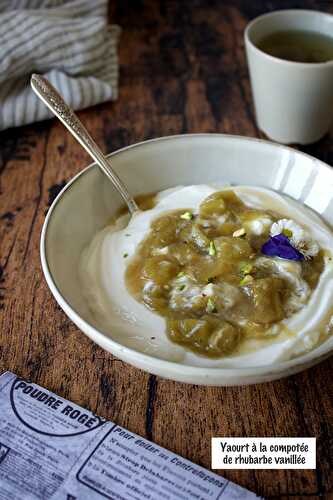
(69, 42)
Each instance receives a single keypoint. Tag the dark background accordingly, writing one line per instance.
(182, 69)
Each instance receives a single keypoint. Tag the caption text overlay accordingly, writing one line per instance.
(263, 453)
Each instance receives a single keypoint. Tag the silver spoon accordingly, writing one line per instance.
(53, 100)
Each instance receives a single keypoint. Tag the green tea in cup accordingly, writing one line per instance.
(298, 46)
(290, 58)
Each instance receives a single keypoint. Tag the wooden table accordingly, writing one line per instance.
(182, 70)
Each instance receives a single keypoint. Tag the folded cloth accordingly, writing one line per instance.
(69, 42)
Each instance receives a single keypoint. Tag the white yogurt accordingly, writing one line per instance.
(103, 266)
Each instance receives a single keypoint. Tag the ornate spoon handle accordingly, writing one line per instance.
(53, 100)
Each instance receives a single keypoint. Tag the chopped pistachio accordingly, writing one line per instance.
(181, 274)
(212, 249)
(125, 255)
(187, 216)
(245, 268)
(181, 288)
(240, 232)
(287, 232)
(211, 307)
(246, 280)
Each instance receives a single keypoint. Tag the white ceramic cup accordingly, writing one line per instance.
(293, 101)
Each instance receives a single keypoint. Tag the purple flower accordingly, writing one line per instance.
(279, 246)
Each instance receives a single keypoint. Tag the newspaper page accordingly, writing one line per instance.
(51, 448)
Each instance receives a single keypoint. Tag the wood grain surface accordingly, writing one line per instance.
(182, 70)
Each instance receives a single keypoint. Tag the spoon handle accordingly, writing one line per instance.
(53, 100)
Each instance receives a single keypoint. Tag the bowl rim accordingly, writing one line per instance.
(139, 358)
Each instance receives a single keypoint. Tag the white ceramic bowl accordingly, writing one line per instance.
(86, 203)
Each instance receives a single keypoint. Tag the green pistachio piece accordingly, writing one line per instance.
(246, 280)
(245, 268)
(211, 307)
(187, 216)
(212, 249)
